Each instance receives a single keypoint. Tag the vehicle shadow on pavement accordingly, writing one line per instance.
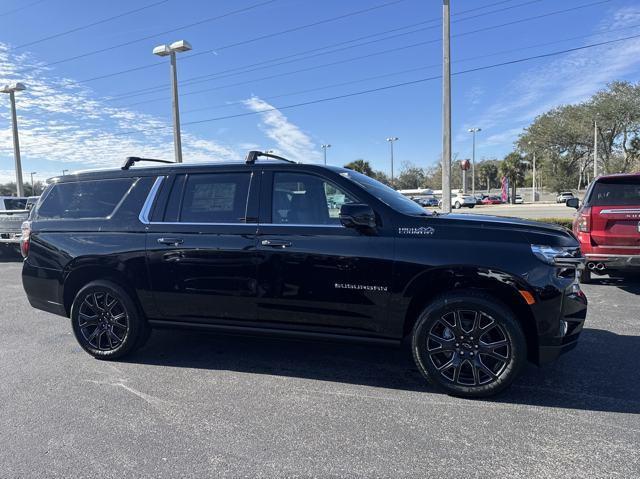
(601, 374)
(630, 285)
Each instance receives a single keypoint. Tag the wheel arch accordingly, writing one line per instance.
(502, 286)
(76, 278)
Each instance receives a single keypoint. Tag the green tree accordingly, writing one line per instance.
(361, 166)
(411, 177)
(488, 173)
(513, 168)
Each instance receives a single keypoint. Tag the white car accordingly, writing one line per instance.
(460, 200)
(564, 196)
(519, 200)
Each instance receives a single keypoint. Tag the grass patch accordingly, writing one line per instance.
(566, 222)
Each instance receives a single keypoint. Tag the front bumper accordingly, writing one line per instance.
(570, 324)
(614, 261)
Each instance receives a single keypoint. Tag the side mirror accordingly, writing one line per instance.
(357, 215)
(573, 203)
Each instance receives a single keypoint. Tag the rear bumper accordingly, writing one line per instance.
(11, 238)
(43, 289)
(615, 261)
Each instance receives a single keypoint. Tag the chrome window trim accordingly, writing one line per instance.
(146, 207)
(621, 211)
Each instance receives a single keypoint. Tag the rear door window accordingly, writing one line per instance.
(84, 199)
(616, 192)
(214, 198)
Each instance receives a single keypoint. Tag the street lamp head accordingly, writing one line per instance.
(162, 50)
(474, 130)
(13, 87)
(326, 146)
(393, 138)
(180, 46)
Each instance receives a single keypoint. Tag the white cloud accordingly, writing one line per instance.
(566, 79)
(62, 121)
(290, 140)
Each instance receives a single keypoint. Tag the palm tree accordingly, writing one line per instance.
(513, 168)
(488, 171)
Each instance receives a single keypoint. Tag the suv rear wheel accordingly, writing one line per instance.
(468, 345)
(106, 321)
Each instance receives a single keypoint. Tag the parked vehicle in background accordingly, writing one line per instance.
(607, 224)
(519, 200)
(14, 212)
(564, 196)
(256, 248)
(426, 201)
(492, 200)
(461, 200)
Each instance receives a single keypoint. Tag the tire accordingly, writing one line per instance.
(472, 206)
(106, 321)
(456, 205)
(585, 276)
(475, 366)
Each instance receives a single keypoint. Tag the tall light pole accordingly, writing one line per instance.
(391, 140)
(595, 149)
(170, 50)
(324, 148)
(11, 90)
(64, 172)
(33, 188)
(533, 182)
(473, 131)
(446, 107)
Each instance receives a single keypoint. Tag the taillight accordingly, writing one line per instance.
(584, 221)
(26, 238)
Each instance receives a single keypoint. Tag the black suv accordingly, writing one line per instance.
(277, 247)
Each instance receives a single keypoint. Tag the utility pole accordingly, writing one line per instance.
(533, 184)
(446, 107)
(33, 188)
(391, 140)
(11, 90)
(170, 50)
(595, 149)
(324, 147)
(473, 131)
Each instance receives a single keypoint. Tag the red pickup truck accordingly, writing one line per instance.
(607, 225)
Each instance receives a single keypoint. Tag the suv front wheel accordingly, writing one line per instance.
(468, 345)
(106, 321)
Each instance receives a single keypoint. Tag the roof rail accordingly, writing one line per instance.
(131, 160)
(252, 156)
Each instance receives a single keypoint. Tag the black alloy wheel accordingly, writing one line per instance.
(468, 344)
(468, 347)
(106, 321)
(103, 321)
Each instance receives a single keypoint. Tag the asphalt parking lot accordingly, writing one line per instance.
(198, 405)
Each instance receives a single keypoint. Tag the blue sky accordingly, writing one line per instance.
(71, 120)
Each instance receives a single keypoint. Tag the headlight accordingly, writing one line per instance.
(551, 254)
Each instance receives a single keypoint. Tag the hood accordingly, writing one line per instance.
(533, 232)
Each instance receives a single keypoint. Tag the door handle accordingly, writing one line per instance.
(171, 241)
(276, 243)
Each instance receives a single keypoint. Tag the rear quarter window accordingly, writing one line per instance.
(616, 192)
(84, 199)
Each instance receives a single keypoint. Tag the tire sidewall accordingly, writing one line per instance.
(133, 315)
(499, 312)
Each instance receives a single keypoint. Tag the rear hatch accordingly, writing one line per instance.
(615, 215)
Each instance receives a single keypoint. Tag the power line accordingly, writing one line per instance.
(147, 37)
(388, 87)
(92, 24)
(376, 77)
(360, 57)
(222, 74)
(16, 10)
(251, 40)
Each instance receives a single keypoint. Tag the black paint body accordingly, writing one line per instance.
(330, 280)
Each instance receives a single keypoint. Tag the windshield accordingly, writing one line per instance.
(387, 195)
